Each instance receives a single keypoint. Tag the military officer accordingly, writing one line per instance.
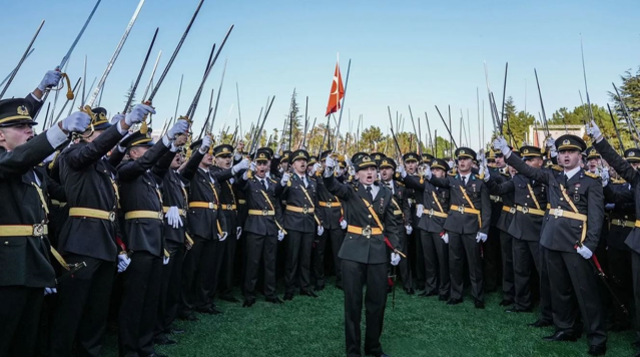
(497, 255)
(415, 258)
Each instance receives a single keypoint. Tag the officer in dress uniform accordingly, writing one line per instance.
(466, 226)
(415, 258)
(431, 229)
(262, 229)
(301, 221)
(570, 234)
(141, 201)
(364, 254)
(89, 235)
(497, 248)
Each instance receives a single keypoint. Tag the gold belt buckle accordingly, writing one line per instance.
(328, 204)
(183, 212)
(265, 212)
(229, 207)
(305, 210)
(525, 210)
(431, 212)
(112, 216)
(210, 205)
(38, 230)
(623, 223)
(461, 209)
(160, 216)
(366, 231)
(559, 212)
(512, 210)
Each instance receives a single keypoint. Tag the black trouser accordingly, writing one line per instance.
(461, 246)
(19, 318)
(621, 282)
(415, 245)
(491, 252)
(354, 276)
(635, 265)
(436, 262)
(260, 248)
(570, 274)
(506, 249)
(169, 293)
(526, 256)
(404, 265)
(140, 296)
(82, 308)
(228, 270)
(213, 259)
(337, 237)
(298, 263)
(194, 275)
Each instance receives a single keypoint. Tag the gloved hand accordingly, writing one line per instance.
(419, 210)
(487, 174)
(584, 251)
(123, 262)
(316, 168)
(343, 224)
(481, 236)
(445, 237)
(48, 291)
(400, 169)
(408, 229)
(242, 165)
(480, 156)
(165, 260)
(50, 79)
(280, 235)
(222, 236)
(173, 217)
(121, 148)
(427, 172)
(77, 122)
(238, 232)
(117, 118)
(593, 131)
(285, 179)
(550, 142)
(320, 230)
(253, 166)
(206, 144)
(604, 175)
(180, 127)
(395, 259)
(501, 144)
(138, 113)
(352, 171)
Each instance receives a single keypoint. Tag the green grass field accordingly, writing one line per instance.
(417, 326)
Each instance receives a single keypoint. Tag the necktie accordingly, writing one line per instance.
(264, 185)
(369, 193)
(464, 180)
(566, 180)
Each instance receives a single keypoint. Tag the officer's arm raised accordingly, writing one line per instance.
(530, 172)
(622, 167)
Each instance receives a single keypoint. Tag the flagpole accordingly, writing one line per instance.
(344, 96)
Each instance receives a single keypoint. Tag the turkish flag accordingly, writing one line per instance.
(337, 92)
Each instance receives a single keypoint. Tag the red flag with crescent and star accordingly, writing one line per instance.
(337, 92)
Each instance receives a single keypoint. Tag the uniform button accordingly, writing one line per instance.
(6, 242)
(561, 199)
(369, 216)
(528, 196)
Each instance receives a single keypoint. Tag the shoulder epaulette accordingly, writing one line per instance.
(618, 181)
(592, 175)
(557, 168)
(400, 183)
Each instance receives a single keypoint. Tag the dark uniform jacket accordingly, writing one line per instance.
(331, 207)
(89, 183)
(430, 193)
(263, 225)
(496, 200)
(203, 222)
(228, 201)
(24, 261)
(585, 191)
(478, 193)
(293, 193)
(173, 194)
(401, 211)
(623, 214)
(360, 248)
(140, 191)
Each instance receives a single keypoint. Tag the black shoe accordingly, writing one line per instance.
(560, 336)
(600, 350)
(229, 298)
(211, 310)
(166, 341)
(275, 300)
(540, 323)
(248, 303)
(454, 301)
(618, 327)
(443, 297)
(288, 296)
(339, 286)
(310, 293)
(429, 293)
(320, 288)
(505, 302)
(172, 329)
(410, 291)
(516, 310)
(479, 305)
(188, 317)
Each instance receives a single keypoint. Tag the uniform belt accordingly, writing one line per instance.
(495, 198)
(183, 212)
(257, 212)
(463, 210)
(624, 223)
(58, 203)
(558, 212)
(432, 213)
(637, 225)
(92, 213)
(366, 231)
(304, 210)
(242, 202)
(24, 230)
(229, 207)
(143, 214)
(508, 209)
(529, 210)
(397, 212)
(330, 204)
(200, 204)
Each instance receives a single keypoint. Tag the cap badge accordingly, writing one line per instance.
(566, 142)
(22, 110)
(632, 153)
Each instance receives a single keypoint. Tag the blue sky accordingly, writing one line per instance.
(403, 52)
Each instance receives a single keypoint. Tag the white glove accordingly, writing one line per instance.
(316, 167)
(173, 217)
(180, 127)
(206, 144)
(165, 260)
(584, 251)
(48, 291)
(501, 144)
(242, 165)
(285, 179)
(117, 118)
(343, 224)
(427, 172)
(487, 174)
(123, 262)
(408, 229)
(238, 232)
(50, 158)
(352, 171)
(395, 259)
(280, 236)
(223, 236)
(253, 166)
(401, 171)
(481, 237)
(550, 142)
(604, 174)
(76, 122)
(480, 156)
(419, 211)
(593, 131)
(50, 79)
(138, 113)
(445, 237)
(320, 230)
(330, 162)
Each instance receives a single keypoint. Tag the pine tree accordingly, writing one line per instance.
(133, 98)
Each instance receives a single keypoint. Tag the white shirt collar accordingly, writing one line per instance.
(572, 173)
